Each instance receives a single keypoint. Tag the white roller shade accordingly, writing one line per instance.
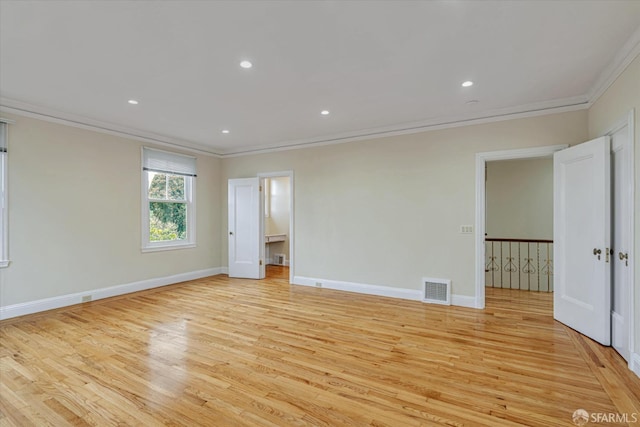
(165, 162)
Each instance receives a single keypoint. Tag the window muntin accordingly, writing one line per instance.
(168, 200)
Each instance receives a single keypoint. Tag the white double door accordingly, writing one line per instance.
(592, 237)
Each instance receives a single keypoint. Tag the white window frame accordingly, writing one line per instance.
(190, 191)
(4, 199)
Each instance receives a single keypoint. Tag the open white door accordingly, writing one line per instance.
(582, 228)
(244, 228)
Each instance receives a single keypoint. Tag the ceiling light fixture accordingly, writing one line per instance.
(225, 130)
(133, 102)
(246, 64)
(324, 112)
(467, 83)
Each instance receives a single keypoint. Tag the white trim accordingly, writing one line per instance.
(45, 304)
(518, 112)
(629, 51)
(382, 291)
(625, 56)
(481, 160)
(54, 116)
(289, 173)
(270, 261)
(7, 121)
(541, 109)
(4, 198)
(360, 288)
(632, 254)
(464, 301)
(190, 197)
(168, 247)
(629, 121)
(634, 363)
(224, 270)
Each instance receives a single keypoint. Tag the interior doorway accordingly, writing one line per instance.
(246, 221)
(481, 206)
(616, 254)
(277, 216)
(519, 224)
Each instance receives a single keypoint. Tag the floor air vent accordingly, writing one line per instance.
(436, 291)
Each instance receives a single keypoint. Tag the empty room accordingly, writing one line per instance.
(320, 213)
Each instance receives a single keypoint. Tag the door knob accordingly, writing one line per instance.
(231, 233)
(597, 252)
(624, 257)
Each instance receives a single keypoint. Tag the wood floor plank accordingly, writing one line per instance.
(234, 352)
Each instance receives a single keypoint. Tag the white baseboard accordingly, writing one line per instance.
(270, 261)
(224, 270)
(464, 301)
(634, 364)
(384, 291)
(37, 306)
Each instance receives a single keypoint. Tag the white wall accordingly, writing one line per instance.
(387, 211)
(519, 199)
(74, 214)
(612, 107)
(278, 220)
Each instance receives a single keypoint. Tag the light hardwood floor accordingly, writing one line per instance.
(227, 352)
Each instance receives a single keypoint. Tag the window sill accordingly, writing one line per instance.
(170, 247)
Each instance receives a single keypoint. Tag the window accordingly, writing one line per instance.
(4, 206)
(168, 199)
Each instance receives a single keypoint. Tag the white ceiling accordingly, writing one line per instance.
(378, 66)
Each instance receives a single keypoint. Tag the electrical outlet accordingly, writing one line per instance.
(318, 284)
(86, 298)
(466, 229)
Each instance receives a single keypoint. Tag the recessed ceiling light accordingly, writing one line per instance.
(133, 102)
(467, 83)
(324, 112)
(225, 130)
(246, 64)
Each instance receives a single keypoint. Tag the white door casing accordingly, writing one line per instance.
(290, 175)
(582, 229)
(621, 158)
(245, 228)
(481, 161)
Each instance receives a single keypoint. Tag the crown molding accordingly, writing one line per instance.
(625, 56)
(54, 116)
(530, 110)
(629, 51)
(520, 112)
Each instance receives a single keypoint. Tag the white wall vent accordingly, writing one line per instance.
(437, 291)
(279, 259)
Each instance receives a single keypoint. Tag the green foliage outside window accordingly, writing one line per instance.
(168, 211)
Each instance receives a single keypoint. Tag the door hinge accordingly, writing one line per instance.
(261, 188)
(260, 262)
